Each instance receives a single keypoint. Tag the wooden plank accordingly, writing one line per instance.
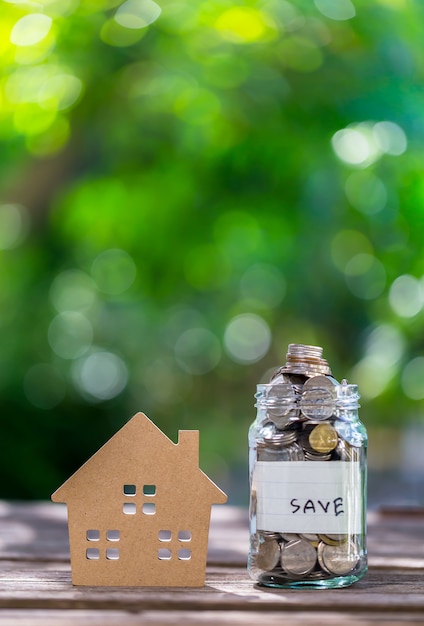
(226, 589)
(201, 618)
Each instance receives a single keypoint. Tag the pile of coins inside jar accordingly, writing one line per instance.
(306, 555)
(301, 422)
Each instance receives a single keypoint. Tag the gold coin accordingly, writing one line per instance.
(323, 438)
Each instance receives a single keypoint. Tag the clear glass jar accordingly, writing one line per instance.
(307, 457)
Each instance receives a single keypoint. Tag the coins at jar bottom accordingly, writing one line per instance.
(323, 438)
(340, 559)
(298, 557)
(268, 555)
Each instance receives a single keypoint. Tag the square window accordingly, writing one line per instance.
(112, 554)
(184, 535)
(129, 508)
(92, 554)
(164, 535)
(113, 535)
(149, 490)
(149, 508)
(184, 554)
(93, 535)
(164, 554)
(130, 490)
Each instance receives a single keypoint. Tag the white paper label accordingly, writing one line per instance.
(308, 497)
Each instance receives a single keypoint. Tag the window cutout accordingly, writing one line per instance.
(164, 535)
(149, 508)
(164, 554)
(112, 554)
(184, 535)
(184, 554)
(92, 554)
(113, 535)
(129, 508)
(130, 490)
(93, 535)
(149, 490)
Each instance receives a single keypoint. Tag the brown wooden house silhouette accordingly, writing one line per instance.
(139, 510)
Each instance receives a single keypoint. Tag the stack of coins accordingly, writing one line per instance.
(306, 421)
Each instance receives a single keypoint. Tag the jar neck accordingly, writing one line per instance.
(270, 396)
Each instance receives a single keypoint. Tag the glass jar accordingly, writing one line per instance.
(307, 458)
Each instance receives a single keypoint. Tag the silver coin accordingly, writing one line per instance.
(278, 378)
(322, 382)
(333, 540)
(283, 438)
(310, 456)
(344, 451)
(281, 404)
(318, 399)
(268, 554)
(317, 404)
(340, 559)
(321, 561)
(317, 575)
(309, 537)
(268, 534)
(289, 536)
(280, 449)
(298, 557)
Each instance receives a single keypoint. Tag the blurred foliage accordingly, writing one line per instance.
(186, 188)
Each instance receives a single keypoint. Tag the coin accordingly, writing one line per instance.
(317, 404)
(281, 404)
(318, 398)
(321, 382)
(339, 560)
(333, 540)
(298, 557)
(316, 456)
(268, 555)
(323, 438)
(312, 538)
(281, 447)
(343, 450)
(289, 536)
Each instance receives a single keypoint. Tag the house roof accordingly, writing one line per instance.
(141, 448)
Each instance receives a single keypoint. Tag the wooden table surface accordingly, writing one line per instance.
(36, 589)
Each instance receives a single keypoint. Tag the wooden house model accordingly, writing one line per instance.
(139, 510)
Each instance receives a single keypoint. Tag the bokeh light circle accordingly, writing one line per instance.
(13, 225)
(412, 379)
(263, 284)
(70, 334)
(247, 338)
(114, 271)
(72, 290)
(406, 296)
(197, 351)
(365, 276)
(100, 376)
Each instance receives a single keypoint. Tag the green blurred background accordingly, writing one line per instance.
(186, 188)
